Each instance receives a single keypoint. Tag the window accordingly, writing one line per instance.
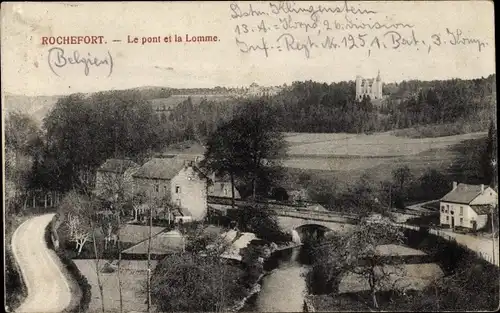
(461, 220)
(177, 189)
(165, 189)
(157, 188)
(461, 210)
(442, 208)
(447, 218)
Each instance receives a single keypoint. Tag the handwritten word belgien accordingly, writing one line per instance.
(58, 59)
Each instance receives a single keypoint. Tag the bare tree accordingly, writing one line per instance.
(365, 259)
(79, 213)
(358, 252)
(115, 188)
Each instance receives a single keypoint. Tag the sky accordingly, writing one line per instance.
(26, 62)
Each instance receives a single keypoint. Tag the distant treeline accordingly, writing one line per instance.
(319, 107)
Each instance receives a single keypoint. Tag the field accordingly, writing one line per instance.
(457, 157)
(133, 276)
(376, 145)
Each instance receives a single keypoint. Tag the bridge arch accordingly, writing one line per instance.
(290, 223)
(312, 231)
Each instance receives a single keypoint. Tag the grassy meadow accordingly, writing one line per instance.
(341, 161)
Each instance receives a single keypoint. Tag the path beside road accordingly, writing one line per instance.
(48, 288)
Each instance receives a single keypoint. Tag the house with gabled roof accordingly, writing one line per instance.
(222, 189)
(115, 175)
(177, 179)
(468, 206)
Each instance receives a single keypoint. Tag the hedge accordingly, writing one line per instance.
(73, 270)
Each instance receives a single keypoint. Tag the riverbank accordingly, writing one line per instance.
(283, 286)
(254, 290)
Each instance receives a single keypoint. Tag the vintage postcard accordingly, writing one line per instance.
(251, 156)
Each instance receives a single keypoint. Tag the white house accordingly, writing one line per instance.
(176, 179)
(467, 206)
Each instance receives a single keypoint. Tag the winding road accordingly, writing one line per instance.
(48, 289)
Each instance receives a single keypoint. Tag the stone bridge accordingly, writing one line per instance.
(301, 220)
(295, 218)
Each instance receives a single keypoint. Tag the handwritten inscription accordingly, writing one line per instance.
(58, 59)
(390, 40)
(286, 26)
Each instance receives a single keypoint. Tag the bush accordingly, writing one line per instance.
(15, 289)
(189, 282)
(261, 222)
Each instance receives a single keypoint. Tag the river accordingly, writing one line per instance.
(282, 290)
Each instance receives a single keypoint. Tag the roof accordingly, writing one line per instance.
(181, 212)
(117, 165)
(137, 233)
(463, 193)
(161, 243)
(482, 209)
(161, 168)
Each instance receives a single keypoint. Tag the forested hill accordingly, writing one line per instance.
(319, 107)
(314, 107)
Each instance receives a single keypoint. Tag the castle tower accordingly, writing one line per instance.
(358, 87)
(379, 86)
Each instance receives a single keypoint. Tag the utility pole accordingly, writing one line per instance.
(493, 209)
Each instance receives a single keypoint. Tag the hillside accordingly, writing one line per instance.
(36, 106)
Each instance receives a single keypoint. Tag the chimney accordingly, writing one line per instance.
(482, 188)
(455, 185)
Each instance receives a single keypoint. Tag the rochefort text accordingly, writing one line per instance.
(369, 87)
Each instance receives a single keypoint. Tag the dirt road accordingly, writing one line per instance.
(48, 289)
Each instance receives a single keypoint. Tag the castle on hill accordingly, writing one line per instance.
(369, 87)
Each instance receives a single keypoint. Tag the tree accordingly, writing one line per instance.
(327, 272)
(196, 281)
(74, 209)
(401, 177)
(489, 157)
(248, 146)
(356, 253)
(83, 131)
(432, 185)
(80, 212)
(260, 221)
(221, 156)
(115, 189)
(23, 142)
